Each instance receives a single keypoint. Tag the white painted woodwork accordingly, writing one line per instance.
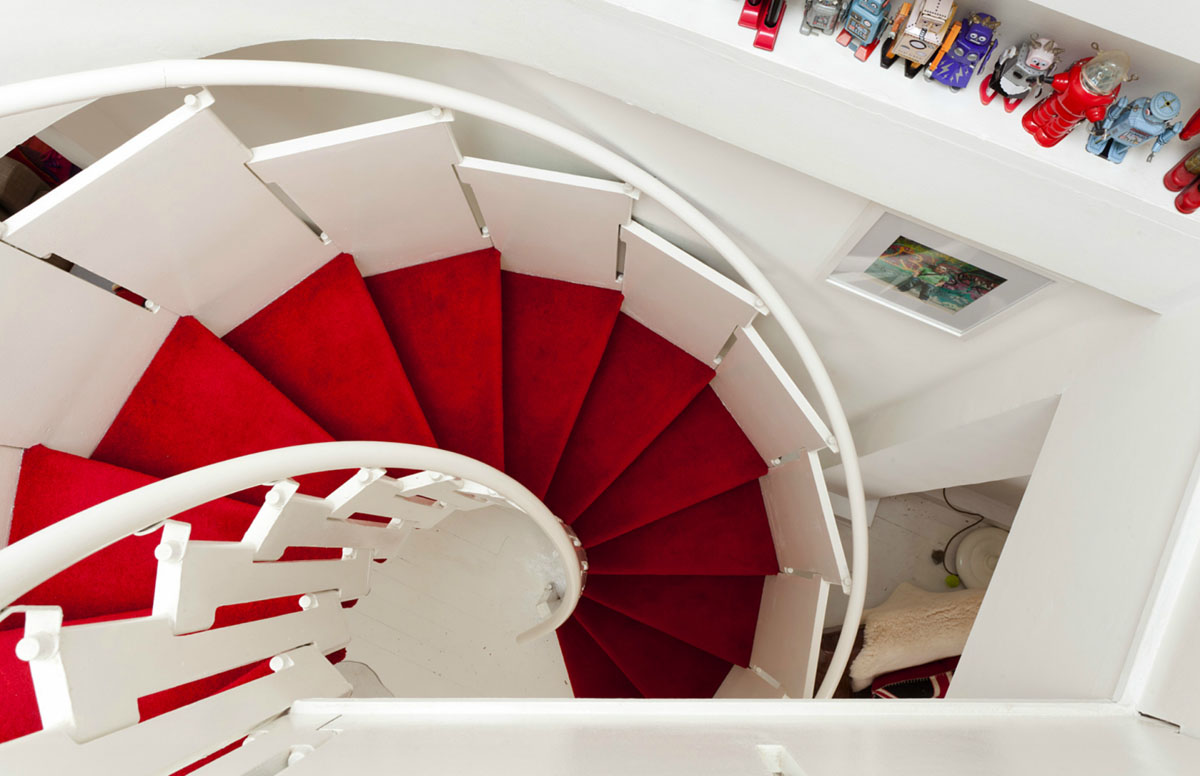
(765, 401)
(71, 353)
(10, 470)
(704, 738)
(265, 752)
(787, 641)
(174, 215)
(442, 613)
(802, 521)
(170, 741)
(291, 519)
(744, 683)
(91, 684)
(679, 297)
(385, 192)
(196, 578)
(1162, 676)
(551, 224)
(420, 500)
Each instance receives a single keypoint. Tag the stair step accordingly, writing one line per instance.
(660, 666)
(642, 384)
(716, 614)
(444, 320)
(324, 346)
(703, 453)
(119, 578)
(592, 672)
(725, 535)
(554, 336)
(199, 403)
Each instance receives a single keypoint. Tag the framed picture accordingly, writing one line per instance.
(924, 274)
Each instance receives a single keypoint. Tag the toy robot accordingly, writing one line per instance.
(918, 33)
(764, 17)
(864, 22)
(1130, 124)
(1019, 71)
(968, 54)
(1083, 92)
(822, 16)
(1185, 178)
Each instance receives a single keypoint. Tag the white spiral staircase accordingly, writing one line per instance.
(183, 215)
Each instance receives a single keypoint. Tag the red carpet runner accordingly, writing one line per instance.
(611, 423)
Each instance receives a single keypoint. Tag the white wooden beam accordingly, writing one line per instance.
(802, 522)
(385, 192)
(681, 298)
(551, 224)
(765, 401)
(174, 215)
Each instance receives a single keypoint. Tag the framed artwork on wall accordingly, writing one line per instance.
(924, 274)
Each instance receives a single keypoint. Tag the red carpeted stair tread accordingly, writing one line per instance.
(703, 453)
(324, 346)
(660, 666)
(554, 336)
(592, 672)
(725, 535)
(119, 578)
(642, 384)
(444, 321)
(716, 614)
(199, 403)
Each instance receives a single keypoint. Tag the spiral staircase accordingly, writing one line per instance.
(386, 333)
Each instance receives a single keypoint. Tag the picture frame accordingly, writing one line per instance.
(940, 280)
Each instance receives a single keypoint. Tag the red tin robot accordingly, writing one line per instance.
(1185, 176)
(1083, 92)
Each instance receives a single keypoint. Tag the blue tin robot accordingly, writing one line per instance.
(865, 20)
(1130, 124)
(968, 54)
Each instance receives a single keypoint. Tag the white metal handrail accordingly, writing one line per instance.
(79, 87)
(34, 559)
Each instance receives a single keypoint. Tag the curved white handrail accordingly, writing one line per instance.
(37, 557)
(78, 87)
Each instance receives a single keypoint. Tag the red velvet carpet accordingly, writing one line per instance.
(609, 422)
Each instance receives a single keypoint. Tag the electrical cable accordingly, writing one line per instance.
(946, 550)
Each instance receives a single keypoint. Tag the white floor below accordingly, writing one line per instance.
(442, 616)
(906, 530)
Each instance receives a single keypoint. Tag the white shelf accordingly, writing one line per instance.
(943, 157)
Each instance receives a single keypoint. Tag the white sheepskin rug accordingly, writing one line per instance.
(911, 628)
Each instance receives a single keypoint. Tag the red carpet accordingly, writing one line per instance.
(726, 535)
(338, 366)
(659, 665)
(593, 673)
(716, 614)
(198, 403)
(444, 321)
(554, 336)
(607, 419)
(119, 578)
(702, 453)
(642, 384)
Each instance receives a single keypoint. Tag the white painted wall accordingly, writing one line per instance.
(70, 354)
(1067, 599)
